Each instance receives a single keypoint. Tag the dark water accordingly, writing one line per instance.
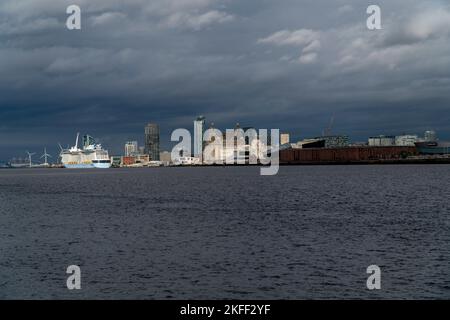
(213, 233)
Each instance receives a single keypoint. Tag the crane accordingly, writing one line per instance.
(327, 131)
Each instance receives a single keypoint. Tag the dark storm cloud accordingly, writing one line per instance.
(285, 64)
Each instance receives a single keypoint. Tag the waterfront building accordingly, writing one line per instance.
(243, 147)
(337, 141)
(309, 144)
(166, 158)
(143, 159)
(152, 141)
(137, 160)
(284, 138)
(406, 140)
(116, 161)
(382, 141)
(131, 148)
(345, 155)
(199, 125)
(128, 161)
(186, 161)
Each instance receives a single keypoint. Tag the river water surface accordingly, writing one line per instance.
(226, 232)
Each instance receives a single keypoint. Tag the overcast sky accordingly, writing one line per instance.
(269, 64)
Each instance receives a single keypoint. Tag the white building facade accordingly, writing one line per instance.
(406, 140)
(199, 125)
(382, 141)
(131, 148)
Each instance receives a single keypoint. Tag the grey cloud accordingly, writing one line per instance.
(107, 18)
(288, 64)
(198, 21)
(420, 27)
(307, 39)
(299, 37)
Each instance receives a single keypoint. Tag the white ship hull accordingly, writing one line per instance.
(78, 165)
(14, 165)
(102, 165)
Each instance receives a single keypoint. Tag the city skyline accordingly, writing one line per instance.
(151, 140)
(268, 65)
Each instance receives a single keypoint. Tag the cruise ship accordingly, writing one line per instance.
(92, 155)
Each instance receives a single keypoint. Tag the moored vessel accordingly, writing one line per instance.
(18, 163)
(92, 155)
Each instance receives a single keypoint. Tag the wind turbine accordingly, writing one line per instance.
(29, 157)
(45, 155)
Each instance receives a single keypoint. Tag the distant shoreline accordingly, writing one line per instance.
(290, 164)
